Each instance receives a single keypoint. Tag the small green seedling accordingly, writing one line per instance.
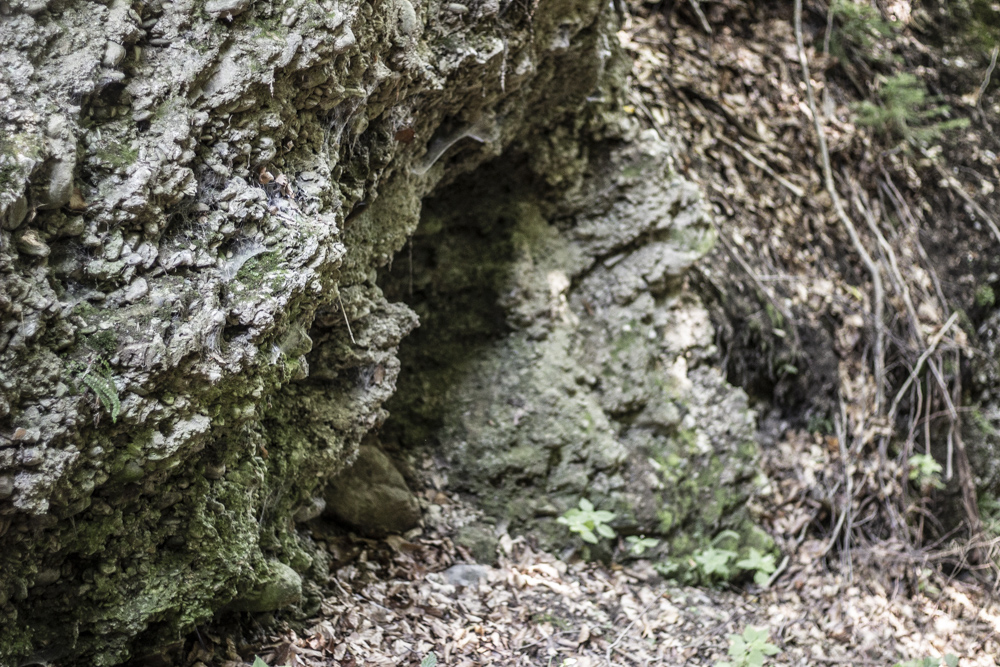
(102, 383)
(638, 544)
(749, 649)
(950, 660)
(586, 521)
(925, 471)
(714, 562)
(761, 564)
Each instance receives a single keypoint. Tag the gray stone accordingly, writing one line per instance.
(60, 183)
(281, 588)
(30, 243)
(310, 510)
(114, 53)
(16, 213)
(465, 574)
(372, 497)
(226, 8)
(138, 289)
(6, 486)
(480, 540)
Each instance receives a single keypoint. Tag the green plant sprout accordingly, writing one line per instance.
(638, 544)
(714, 562)
(905, 111)
(861, 27)
(103, 385)
(586, 521)
(925, 471)
(749, 649)
(761, 564)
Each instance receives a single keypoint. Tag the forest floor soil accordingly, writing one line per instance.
(397, 601)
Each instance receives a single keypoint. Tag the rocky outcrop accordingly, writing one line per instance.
(199, 207)
(195, 201)
(560, 357)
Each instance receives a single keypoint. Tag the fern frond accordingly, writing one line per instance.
(106, 392)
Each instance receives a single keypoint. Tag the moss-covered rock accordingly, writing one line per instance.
(559, 357)
(194, 204)
(372, 497)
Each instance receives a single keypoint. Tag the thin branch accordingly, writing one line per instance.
(931, 346)
(766, 168)
(628, 627)
(954, 184)
(986, 79)
(696, 6)
(346, 321)
(878, 300)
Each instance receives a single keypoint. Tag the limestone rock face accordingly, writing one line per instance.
(560, 357)
(195, 203)
(372, 497)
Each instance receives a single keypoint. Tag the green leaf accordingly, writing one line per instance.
(257, 662)
(755, 659)
(761, 578)
(605, 530)
(104, 387)
(430, 660)
(951, 660)
(586, 505)
(588, 536)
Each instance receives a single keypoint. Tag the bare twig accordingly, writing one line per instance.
(878, 297)
(628, 627)
(931, 346)
(766, 168)
(904, 213)
(696, 7)
(346, 321)
(894, 272)
(953, 183)
(986, 79)
(785, 313)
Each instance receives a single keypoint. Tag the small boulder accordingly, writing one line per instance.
(281, 588)
(372, 497)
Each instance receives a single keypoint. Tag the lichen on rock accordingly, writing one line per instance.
(560, 358)
(196, 205)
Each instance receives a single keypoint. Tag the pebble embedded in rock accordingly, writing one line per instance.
(138, 289)
(226, 8)
(114, 53)
(32, 457)
(372, 496)
(6, 487)
(281, 589)
(29, 243)
(61, 183)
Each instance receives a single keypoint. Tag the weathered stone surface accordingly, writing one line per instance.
(559, 358)
(190, 349)
(465, 574)
(280, 588)
(372, 497)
